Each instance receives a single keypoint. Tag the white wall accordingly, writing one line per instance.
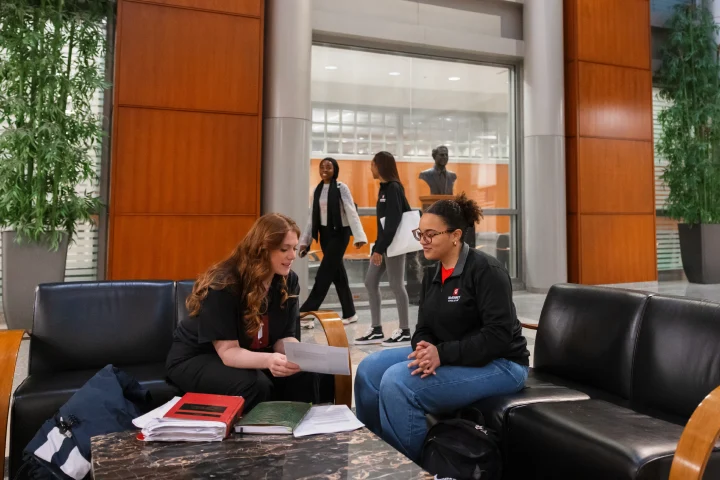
(481, 27)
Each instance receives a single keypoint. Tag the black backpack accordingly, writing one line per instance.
(462, 448)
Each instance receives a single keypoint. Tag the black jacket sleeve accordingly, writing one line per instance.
(292, 307)
(493, 291)
(394, 207)
(422, 330)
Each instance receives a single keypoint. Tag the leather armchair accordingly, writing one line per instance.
(78, 328)
(617, 374)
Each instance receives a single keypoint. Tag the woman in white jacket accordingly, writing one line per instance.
(332, 220)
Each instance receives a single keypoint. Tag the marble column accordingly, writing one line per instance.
(543, 186)
(286, 112)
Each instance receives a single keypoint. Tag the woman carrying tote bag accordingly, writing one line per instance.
(391, 205)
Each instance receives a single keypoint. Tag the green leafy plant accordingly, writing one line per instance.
(690, 138)
(50, 68)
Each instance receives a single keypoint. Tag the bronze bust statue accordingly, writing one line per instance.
(440, 180)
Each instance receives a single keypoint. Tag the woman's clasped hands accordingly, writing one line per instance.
(425, 359)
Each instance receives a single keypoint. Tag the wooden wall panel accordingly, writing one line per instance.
(185, 181)
(178, 162)
(571, 98)
(573, 247)
(239, 7)
(188, 59)
(174, 247)
(609, 32)
(615, 176)
(570, 28)
(571, 172)
(617, 248)
(614, 102)
(609, 151)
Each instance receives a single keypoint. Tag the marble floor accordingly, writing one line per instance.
(528, 305)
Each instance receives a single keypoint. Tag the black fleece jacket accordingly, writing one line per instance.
(471, 318)
(391, 204)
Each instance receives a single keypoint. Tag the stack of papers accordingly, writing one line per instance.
(177, 430)
(327, 419)
(156, 427)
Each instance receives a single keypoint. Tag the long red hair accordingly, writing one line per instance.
(246, 269)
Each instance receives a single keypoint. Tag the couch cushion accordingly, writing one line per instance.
(677, 361)
(40, 395)
(542, 379)
(590, 439)
(587, 334)
(539, 388)
(496, 409)
(87, 325)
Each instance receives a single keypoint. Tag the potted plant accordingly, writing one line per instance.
(689, 79)
(50, 68)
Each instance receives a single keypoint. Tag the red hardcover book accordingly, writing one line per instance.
(202, 406)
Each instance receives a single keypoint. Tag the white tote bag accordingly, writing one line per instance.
(404, 240)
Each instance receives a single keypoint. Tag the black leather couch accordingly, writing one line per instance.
(78, 328)
(617, 374)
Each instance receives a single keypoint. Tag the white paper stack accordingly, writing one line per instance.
(178, 430)
(325, 419)
(156, 428)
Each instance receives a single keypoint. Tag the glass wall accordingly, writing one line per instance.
(367, 101)
(666, 229)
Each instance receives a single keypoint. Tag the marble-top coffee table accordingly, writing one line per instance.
(353, 455)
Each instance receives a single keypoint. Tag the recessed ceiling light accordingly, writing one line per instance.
(330, 67)
(453, 79)
(394, 74)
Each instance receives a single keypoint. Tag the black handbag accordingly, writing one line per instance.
(462, 448)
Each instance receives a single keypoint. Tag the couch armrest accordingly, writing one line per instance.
(336, 337)
(697, 440)
(9, 347)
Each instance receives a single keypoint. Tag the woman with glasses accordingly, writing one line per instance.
(468, 344)
(391, 205)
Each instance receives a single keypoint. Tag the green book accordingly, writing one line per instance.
(270, 418)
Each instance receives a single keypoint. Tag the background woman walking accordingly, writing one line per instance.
(391, 205)
(333, 219)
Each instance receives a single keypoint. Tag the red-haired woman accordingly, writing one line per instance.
(242, 312)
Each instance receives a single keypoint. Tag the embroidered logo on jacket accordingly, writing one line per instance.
(455, 297)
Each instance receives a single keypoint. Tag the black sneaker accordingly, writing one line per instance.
(373, 336)
(399, 338)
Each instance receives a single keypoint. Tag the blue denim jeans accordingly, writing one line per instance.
(392, 403)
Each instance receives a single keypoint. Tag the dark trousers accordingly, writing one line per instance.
(332, 270)
(208, 374)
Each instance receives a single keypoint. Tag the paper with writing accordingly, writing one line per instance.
(318, 358)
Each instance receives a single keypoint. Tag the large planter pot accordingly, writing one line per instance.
(700, 251)
(25, 266)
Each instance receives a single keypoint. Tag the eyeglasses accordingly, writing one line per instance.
(427, 237)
